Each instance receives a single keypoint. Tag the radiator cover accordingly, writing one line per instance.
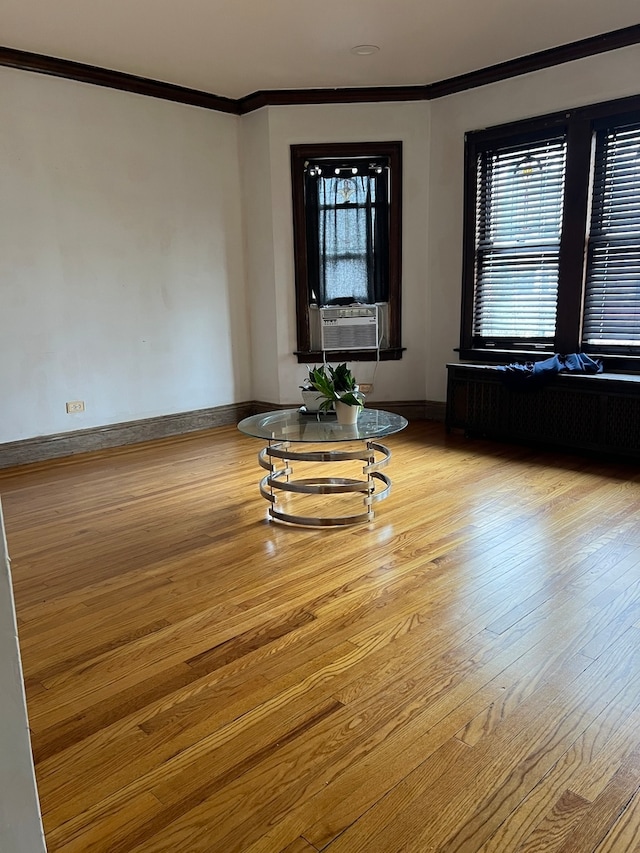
(600, 413)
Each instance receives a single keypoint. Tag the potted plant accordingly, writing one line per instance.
(337, 386)
(311, 397)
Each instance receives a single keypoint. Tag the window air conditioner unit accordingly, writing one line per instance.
(349, 328)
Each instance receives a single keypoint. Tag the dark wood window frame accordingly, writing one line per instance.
(580, 125)
(299, 155)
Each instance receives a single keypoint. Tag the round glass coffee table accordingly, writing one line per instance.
(288, 427)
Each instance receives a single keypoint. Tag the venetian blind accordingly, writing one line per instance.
(612, 291)
(519, 204)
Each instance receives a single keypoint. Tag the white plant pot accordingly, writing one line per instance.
(347, 414)
(312, 400)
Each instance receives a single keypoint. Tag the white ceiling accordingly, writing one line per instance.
(236, 47)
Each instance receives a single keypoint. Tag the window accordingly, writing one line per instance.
(519, 223)
(347, 238)
(612, 305)
(552, 236)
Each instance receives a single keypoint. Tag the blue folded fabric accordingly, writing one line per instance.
(532, 374)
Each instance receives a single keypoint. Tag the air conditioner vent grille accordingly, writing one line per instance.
(349, 328)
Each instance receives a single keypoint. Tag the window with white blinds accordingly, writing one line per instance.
(612, 289)
(551, 253)
(519, 204)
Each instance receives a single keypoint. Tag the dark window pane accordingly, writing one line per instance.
(347, 204)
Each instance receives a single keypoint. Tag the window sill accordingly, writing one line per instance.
(318, 356)
(502, 356)
(611, 363)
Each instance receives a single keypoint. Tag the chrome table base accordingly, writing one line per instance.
(277, 459)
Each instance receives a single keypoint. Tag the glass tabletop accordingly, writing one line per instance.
(299, 425)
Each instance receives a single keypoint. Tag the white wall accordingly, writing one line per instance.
(255, 159)
(271, 258)
(586, 81)
(121, 257)
(20, 825)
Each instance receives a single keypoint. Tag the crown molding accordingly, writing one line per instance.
(352, 95)
(537, 61)
(25, 61)
(79, 71)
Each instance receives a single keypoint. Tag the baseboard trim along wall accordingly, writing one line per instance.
(44, 447)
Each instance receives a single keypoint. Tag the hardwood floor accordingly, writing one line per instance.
(461, 675)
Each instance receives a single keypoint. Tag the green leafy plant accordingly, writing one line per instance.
(342, 378)
(335, 384)
(308, 385)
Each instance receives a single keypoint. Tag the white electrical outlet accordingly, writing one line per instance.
(75, 406)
